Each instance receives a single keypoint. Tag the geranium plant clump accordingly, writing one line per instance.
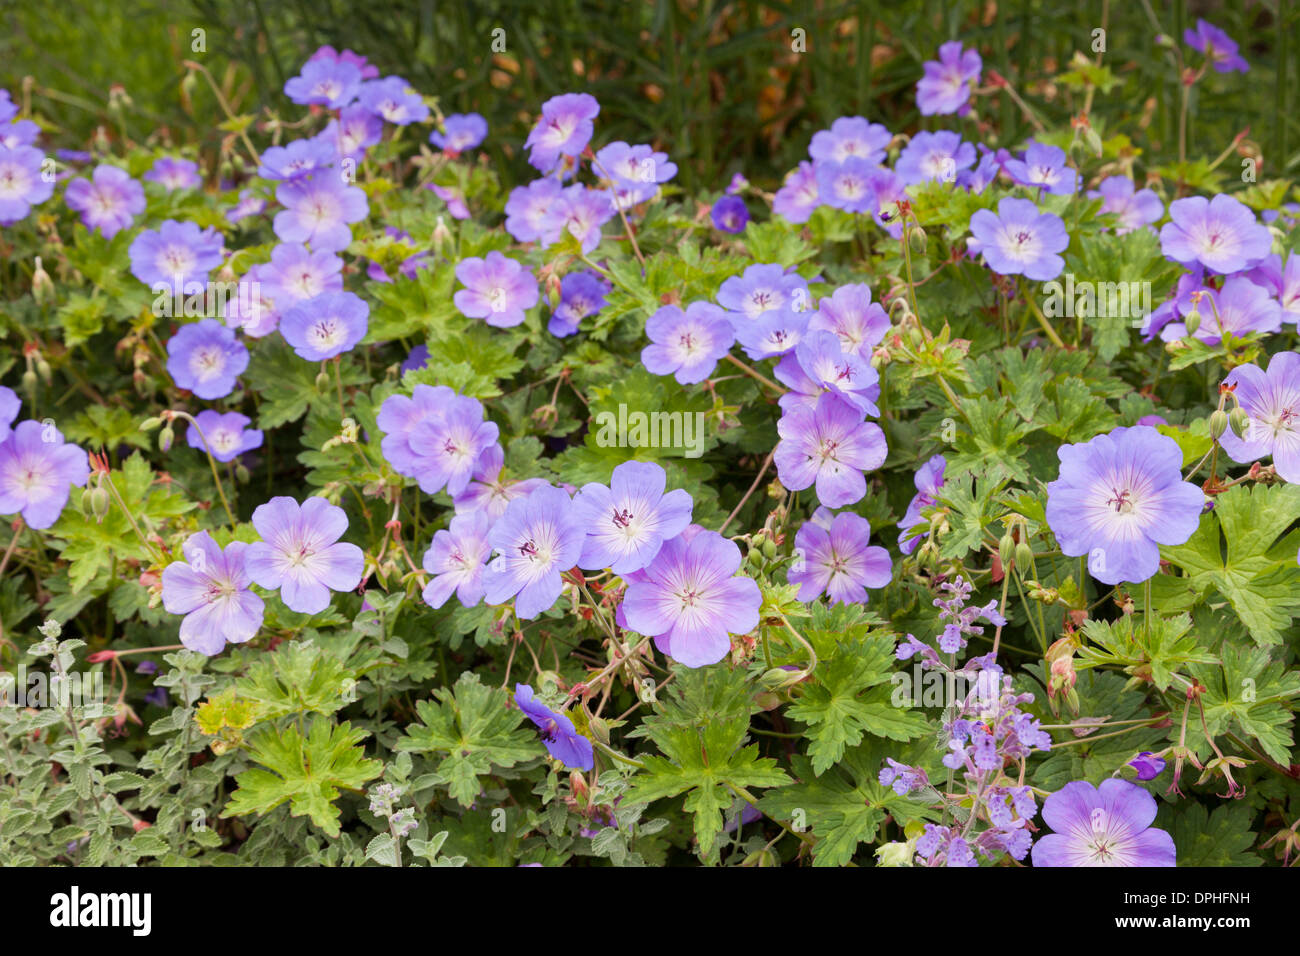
(933, 509)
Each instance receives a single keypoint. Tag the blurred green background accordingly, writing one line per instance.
(717, 85)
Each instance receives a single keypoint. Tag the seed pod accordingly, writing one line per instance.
(1218, 423)
(1239, 421)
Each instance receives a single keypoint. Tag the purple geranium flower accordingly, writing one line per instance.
(763, 288)
(393, 99)
(581, 294)
(1271, 401)
(328, 325)
(206, 358)
(460, 131)
(1020, 240)
(936, 157)
(847, 185)
(175, 255)
(355, 131)
(1147, 765)
(537, 539)
(1220, 234)
(850, 137)
(1133, 209)
(37, 472)
(1120, 496)
(528, 208)
(829, 445)
(248, 205)
(564, 129)
(628, 521)
(325, 82)
(19, 133)
(1283, 283)
(296, 274)
(210, 587)
(330, 55)
(1108, 825)
(687, 345)
(562, 740)
(832, 557)
(859, 323)
(635, 172)
(488, 492)
(109, 201)
(580, 212)
(456, 558)
(9, 405)
(928, 481)
(798, 197)
(1044, 167)
(319, 210)
(22, 184)
(228, 436)
(300, 158)
(497, 289)
(8, 108)
(729, 214)
(254, 309)
(300, 552)
(772, 333)
(400, 414)
(947, 84)
(689, 600)
(1237, 309)
(447, 446)
(819, 365)
(1220, 48)
(172, 173)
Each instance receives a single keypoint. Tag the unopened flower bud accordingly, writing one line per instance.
(29, 382)
(1193, 321)
(1239, 421)
(149, 424)
(165, 438)
(1218, 423)
(1025, 558)
(99, 503)
(916, 238)
(1006, 549)
(241, 473)
(323, 381)
(42, 286)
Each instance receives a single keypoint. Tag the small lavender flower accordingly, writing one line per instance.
(983, 174)
(636, 172)
(901, 778)
(9, 405)
(846, 185)
(109, 201)
(456, 558)
(580, 212)
(296, 274)
(1271, 401)
(175, 255)
(253, 309)
(859, 323)
(798, 197)
(1239, 308)
(627, 521)
(172, 173)
(564, 129)
(354, 132)
(228, 436)
(488, 492)
(819, 365)
(528, 207)
(460, 131)
(325, 326)
(19, 133)
(448, 446)
(1108, 825)
(300, 552)
(689, 599)
(959, 620)
(928, 481)
(830, 446)
(850, 137)
(1120, 496)
(1043, 167)
(1219, 234)
(729, 214)
(37, 472)
(330, 55)
(248, 205)
(1284, 284)
(1019, 240)
(537, 539)
(562, 740)
(8, 108)
(687, 345)
(497, 289)
(206, 358)
(1188, 296)
(833, 558)
(775, 332)
(211, 589)
(393, 99)
(947, 84)
(934, 157)
(398, 417)
(325, 82)
(319, 210)
(21, 184)
(1133, 209)
(763, 288)
(300, 158)
(581, 294)
(1218, 47)
(1147, 765)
